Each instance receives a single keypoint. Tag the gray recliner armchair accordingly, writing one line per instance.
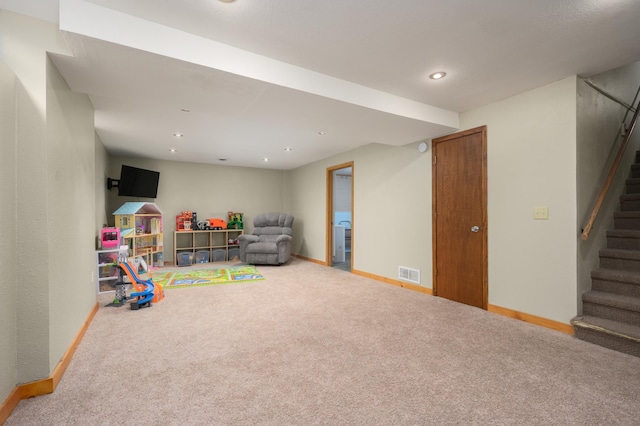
(270, 241)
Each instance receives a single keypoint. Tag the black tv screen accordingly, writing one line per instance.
(135, 182)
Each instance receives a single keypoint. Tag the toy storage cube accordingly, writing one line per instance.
(202, 256)
(185, 258)
(201, 239)
(219, 255)
(234, 253)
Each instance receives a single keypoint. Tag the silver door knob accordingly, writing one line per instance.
(475, 229)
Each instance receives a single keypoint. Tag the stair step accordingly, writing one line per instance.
(631, 332)
(611, 310)
(632, 185)
(628, 239)
(626, 260)
(610, 306)
(630, 202)
(627, 220)
(610, 334)
(613, 300)
(626, 283)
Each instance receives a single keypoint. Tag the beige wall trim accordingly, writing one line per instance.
(392, 281)
(308, 259)
(532, 319)
(48, 385)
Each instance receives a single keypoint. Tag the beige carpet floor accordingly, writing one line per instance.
(316, 345)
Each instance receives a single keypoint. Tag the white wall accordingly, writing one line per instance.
(391, 209)
(102, 159)
(8, 216)
(25, 42)
(71, 206)
(54, 201)
(210, 190)
(531, 152)
(598, 140)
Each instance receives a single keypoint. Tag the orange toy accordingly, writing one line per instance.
(217, 223)
(137, 281)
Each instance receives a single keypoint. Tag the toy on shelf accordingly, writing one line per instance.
(188, 221)
(110, 238)
(217, 223)
(194, 221)
(235, 221)
(184, 221)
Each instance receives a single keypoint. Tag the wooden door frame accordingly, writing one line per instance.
(329, 216)
(485, 258)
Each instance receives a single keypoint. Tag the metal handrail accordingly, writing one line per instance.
(612, 171)
(610, 96)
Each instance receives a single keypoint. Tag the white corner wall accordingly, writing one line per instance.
(54, 201)
(8, 216)
(71, 207)
(102, 165)
(25, 42)
(531, 150)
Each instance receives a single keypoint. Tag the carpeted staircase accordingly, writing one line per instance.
(611, 310)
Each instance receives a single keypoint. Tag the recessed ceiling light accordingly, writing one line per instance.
(321, 133)
(265, 159)
(288, 149)
(178, 135)
(222, 159)
(173, 150)
(185, 110)
(438, 75)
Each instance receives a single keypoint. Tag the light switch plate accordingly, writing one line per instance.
(541, 213)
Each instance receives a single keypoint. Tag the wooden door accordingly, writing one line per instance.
(460, 217)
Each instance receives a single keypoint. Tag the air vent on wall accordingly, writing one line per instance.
(409, 275)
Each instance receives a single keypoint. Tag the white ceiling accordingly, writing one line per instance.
(259, 76)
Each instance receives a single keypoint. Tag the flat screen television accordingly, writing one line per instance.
(135, 182)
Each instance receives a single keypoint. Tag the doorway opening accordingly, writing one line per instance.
(340, 216)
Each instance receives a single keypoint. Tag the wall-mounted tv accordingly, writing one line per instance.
(135, 182)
